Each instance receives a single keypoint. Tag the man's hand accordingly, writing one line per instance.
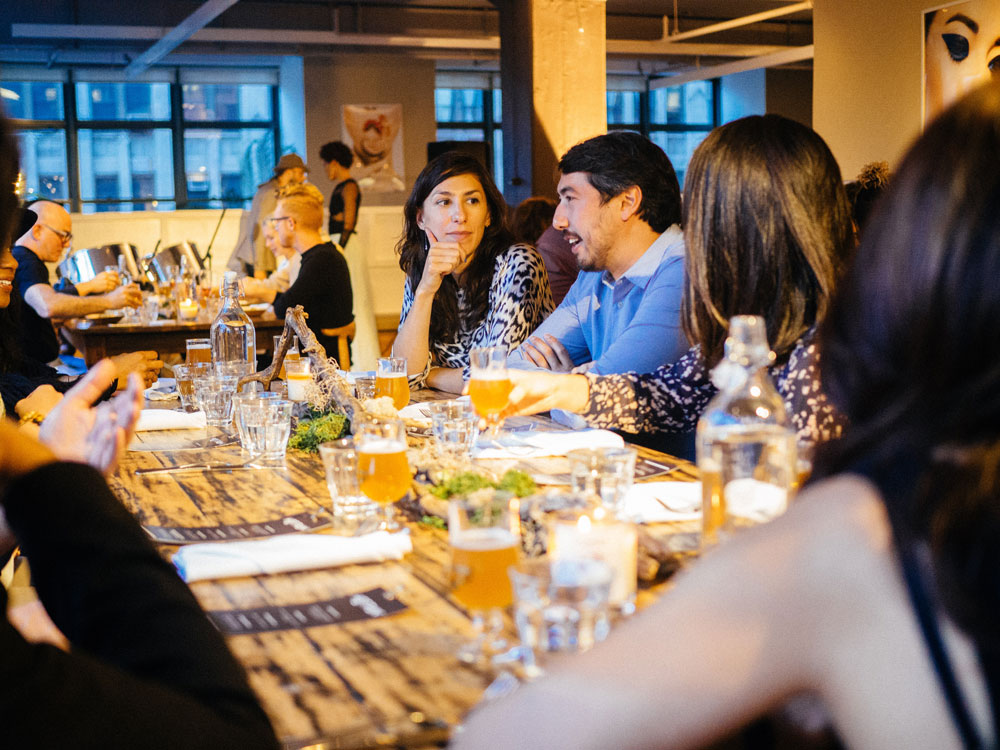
(125, 296)
(76, 430)
(547, 353)
(105, 281)
(42, 400)
(535, 392)
(442, 259)
(145, 364)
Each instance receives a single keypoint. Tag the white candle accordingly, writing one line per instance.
(601, 538)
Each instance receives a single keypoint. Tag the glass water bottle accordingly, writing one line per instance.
(233, 336)
(746, 446)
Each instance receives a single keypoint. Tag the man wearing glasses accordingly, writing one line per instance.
(39, 303)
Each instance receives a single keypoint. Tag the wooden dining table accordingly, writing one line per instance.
(98, 337)
(386, 673)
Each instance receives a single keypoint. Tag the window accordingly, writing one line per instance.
(471, 114)
(101, 145)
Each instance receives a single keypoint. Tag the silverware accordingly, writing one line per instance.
(208, 466)
(689, 508)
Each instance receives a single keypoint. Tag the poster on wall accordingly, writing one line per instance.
(961, 51)
(375, 134)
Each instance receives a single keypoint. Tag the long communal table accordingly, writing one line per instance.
(99, 338)
(361, 656)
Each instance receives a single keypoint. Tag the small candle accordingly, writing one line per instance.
(297, 378)
(602, 537)
(188, 309)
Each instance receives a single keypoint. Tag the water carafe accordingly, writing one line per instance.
(233, 336)
(746, 446)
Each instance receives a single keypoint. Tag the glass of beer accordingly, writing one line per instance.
(390, 380)
(383, 471)
(484, 536)
(292, 355)
(199, 350)
(489, 385)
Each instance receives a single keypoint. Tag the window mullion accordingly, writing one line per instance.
(72, 146)
(177, 129)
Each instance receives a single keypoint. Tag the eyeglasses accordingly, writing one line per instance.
(66, 237)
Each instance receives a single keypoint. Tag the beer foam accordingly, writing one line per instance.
(489, 375)
(382, 445)
(483, 539)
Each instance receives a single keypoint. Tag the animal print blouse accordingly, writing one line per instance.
(672, 398)
(519, 301)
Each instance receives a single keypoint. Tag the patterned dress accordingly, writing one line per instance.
(672, 398)
(519, 301)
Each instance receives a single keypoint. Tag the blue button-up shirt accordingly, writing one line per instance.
(631, 324)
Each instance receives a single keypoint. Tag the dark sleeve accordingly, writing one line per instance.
(30, 271)
(65, 286)
(147, 668)
(323, 288)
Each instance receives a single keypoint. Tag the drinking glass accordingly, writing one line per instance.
(455, 427)
(199, 350)
(483, 535)
(489, 385)
(390, 380)
(603, 474)
(364, 387)
(124, 277)
(185, 377)
(267, 423)
(238, 416)
(215, 396)
(383, 471)
(352, 511)
(298, 377)
(292, 355)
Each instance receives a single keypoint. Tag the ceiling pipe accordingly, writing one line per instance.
(797, 54)
(733, 23)
(199, 19)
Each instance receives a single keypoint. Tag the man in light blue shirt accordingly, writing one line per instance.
(620, 210)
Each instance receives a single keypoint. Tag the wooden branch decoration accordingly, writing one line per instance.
(324, 369)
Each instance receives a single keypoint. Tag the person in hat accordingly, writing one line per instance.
(251, 256)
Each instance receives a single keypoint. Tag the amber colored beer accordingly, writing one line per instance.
(199, 351)
(395, 386)
(479, 562)
(292, 355)
(489, 397)
(383, 471)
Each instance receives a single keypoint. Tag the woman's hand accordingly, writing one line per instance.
(535, 392)
(442, 259)
(76, 430)
(42, 400)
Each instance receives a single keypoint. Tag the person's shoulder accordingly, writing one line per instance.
(520, 253)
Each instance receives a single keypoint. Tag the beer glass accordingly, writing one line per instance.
(489, 385)
(199, 350)
(383, 471)
(390, 380)
(484, 537)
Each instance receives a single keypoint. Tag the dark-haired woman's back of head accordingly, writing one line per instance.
(912, 355)
(767, 228)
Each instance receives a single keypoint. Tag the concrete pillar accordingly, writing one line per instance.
(554, 81)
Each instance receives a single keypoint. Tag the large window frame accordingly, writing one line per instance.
(178, 126)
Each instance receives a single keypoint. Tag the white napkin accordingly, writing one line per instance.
(755, 500)
(288, 552)
(165, 389)
(684, 499)
(416, 413)
(166, 419)
(540, 443)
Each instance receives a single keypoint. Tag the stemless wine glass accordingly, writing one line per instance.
(489, 385)
(383, 471)
(390, 380)
(483, 535)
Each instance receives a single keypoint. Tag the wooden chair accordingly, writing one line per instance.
(345, 335)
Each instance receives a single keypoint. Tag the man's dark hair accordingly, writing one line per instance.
(338, 152)
(623, 159)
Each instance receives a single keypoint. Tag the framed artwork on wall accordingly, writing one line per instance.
(375, 134)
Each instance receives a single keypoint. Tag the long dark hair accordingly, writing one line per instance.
(412, 246)
(767, 228)
(9, 215)
(911, 356)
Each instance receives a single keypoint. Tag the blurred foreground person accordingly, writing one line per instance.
(879, 590)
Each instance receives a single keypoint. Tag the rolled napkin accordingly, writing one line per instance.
(661, 502)
(167, 419)
(541, 443)
(165, 389)
(285, 553)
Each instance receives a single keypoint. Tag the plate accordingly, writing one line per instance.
(256, 307)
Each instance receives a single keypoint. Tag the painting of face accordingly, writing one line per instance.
(961, 51)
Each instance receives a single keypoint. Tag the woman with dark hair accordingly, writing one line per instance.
(467, 284)
(767, 231)
(878, 590)
(345, 200)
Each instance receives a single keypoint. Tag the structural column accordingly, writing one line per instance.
(553, 76)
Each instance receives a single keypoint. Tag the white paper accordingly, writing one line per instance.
(641, 503)
(167, 419)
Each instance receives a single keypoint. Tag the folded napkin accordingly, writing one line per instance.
(166, 419)
(288, 552)
(416, 413)
(683, 498)
(540, 443)
(165, 389)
